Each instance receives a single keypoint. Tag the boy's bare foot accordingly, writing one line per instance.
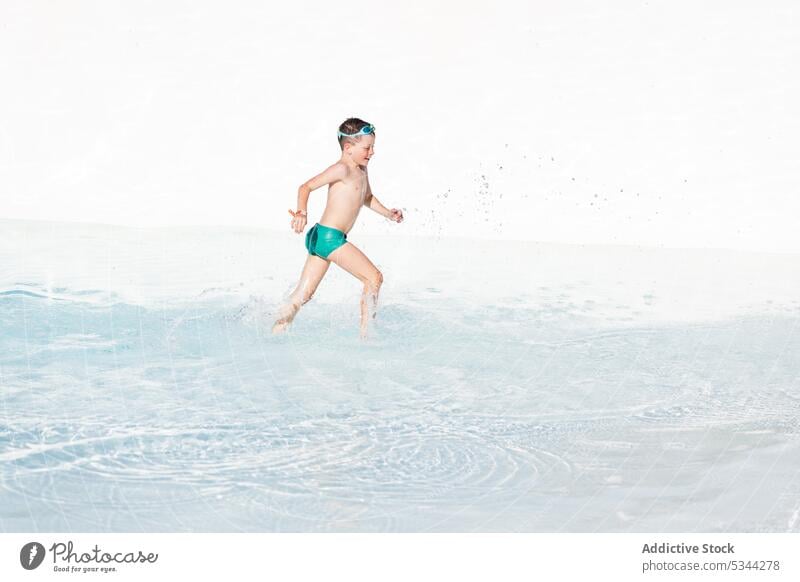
(285, 318)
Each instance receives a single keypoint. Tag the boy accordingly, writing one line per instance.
(348, 191)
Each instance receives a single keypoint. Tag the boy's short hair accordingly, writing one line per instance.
(351, 125)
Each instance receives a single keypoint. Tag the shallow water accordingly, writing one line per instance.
(566, 389)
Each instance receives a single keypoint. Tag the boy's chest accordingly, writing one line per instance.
(354, 188)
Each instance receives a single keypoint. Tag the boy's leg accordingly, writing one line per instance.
(313, 272)
(352, 260)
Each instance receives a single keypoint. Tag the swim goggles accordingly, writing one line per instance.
(366, 130)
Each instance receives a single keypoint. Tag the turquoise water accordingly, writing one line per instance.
(154, 398)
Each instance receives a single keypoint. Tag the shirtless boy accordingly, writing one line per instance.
(326, 241)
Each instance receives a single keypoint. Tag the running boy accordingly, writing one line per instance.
(326, 241)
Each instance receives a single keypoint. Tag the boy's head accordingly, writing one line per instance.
(356, 138)
(353, 130)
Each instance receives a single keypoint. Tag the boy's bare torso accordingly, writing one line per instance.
(345, 199)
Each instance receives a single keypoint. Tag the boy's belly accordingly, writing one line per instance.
(340, 215)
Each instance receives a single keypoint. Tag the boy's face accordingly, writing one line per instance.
(362, 150)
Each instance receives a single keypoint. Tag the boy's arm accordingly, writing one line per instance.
(299, 217)
(335, 172)
(374, 204)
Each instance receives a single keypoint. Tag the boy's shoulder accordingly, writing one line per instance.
(334, 172)
(339, 166)
(340, 170)
(337, 170)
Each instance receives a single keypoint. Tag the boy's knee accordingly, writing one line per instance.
(375, 281)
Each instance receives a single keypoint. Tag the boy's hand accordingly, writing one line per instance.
(395, 214)
(298, 220)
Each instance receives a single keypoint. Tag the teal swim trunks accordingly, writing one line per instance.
(322, 240)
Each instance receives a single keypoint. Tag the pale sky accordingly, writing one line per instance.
(657, 123)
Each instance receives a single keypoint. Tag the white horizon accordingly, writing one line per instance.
(663, 125)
